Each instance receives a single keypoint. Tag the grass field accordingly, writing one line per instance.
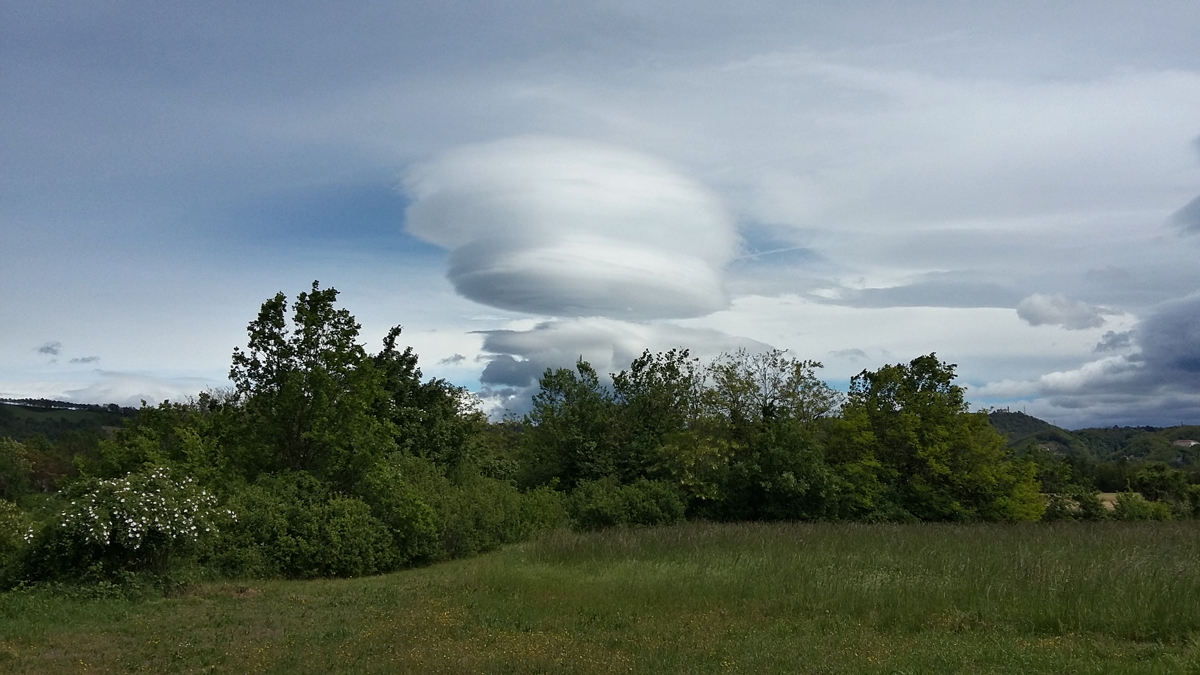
(697, 598)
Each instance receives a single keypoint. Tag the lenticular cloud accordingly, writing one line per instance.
(570, 228)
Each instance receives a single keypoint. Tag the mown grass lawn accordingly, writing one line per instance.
(749, 598)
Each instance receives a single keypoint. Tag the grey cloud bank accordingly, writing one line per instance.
(1153, 378)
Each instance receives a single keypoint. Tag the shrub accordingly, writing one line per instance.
(482, 514)
(598, 504)
(15, 469)
(1133, 506)
(412, 524)
(14, 532)
(290, 525)
(144, 522)
(1074, 503)
(478, 513)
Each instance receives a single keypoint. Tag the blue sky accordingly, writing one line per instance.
(1015, 186)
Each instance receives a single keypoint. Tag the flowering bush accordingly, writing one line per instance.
(14, 531)
(137, 523)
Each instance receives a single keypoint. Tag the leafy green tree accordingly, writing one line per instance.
(748, 390)
(15, 469)
(571, 433)
(1133, 506)
(659, 395)
(767, 408)
(937, 460)
(1159, 482)
(194, 437)
(309, 391)
(432, 419)
(598, 504)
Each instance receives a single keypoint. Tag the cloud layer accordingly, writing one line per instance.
(1057, 310)
(563, 227)
(1150, 375)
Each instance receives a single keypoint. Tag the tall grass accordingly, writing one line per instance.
(1127, 581)
(754, 598)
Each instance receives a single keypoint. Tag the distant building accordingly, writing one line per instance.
(1186, 443)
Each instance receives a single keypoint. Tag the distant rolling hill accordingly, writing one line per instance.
(22, 418)
(1103, 443)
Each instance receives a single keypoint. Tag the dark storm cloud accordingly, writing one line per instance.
(1157, 383)
(1113, 341)
(849, 354)
(1170, 342)
(503, 369)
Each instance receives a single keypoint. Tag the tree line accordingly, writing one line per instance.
(325, 459)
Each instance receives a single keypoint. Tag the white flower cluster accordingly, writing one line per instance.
(143, 508)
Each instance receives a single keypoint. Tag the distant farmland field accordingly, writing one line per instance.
(743, 598)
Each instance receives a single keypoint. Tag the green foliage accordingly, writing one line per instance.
(15, 470)
(394, 499)
(937, 461)
(1159, 482)
(143, 522)
(750, 389)
(290, 525)
(24, 418)
(659, 395)
(598, 504)
(1074, 502)
(194, 437)
(781, 475)
(343, 463)
(697, 463)
(572, 429)
(15, 532)
(310, 393)
(1133, 506)
(432, 419)
(475, 513)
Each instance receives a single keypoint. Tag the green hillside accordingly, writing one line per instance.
(23, 418)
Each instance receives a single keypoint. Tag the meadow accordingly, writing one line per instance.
(697, 597)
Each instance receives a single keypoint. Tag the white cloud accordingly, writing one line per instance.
(570, 228)
(987, 343)
(107, 386)
(1057, 310)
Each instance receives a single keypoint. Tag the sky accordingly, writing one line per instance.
(1014, 186)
